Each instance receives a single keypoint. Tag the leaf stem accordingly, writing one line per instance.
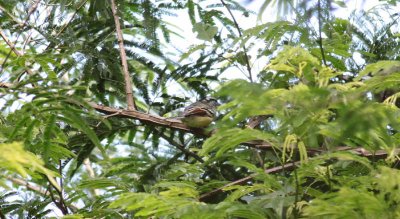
(320, 32)
(246, 57)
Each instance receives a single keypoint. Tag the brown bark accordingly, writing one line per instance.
(128, 84)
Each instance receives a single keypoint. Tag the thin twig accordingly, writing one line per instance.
(9, 43)
(320, 32)
(296, 198)
(181, 147)
(30, 12)
(37, 189)
(360, 151)
(28, 185)
(246, 57)
(89, 168)
(61, 192)
(128, 85)
(61, 178)
(111, 115)
(91, 173)
(18, 53)
(27, 40)
(58, 203)
(13, 49)
(72, 17)
(11, 16)
(253, 123)
(256, 120)
(51, 44)
(5, 85)
(246, 179)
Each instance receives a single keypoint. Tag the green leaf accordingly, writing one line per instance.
(74, 120)
(205, 31)
(224, 140)
(14, 158)
(380, 68)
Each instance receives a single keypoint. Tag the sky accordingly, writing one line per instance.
(185, 28)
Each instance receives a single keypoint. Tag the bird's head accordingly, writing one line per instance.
(210, 101)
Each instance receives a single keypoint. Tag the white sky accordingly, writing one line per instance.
(185, 28)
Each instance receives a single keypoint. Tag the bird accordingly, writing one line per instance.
(200, 114)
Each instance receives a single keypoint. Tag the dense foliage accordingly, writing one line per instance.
(308, 125)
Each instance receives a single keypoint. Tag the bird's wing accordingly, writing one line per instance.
(197, 111)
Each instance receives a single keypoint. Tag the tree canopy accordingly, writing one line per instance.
(307, 128)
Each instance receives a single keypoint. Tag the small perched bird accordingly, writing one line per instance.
(201, 113)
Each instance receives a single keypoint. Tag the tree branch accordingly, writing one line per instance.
(143, 117)
(128, 85)
(5, 85)
(149, 119)
(315, 151)
(28, 185)
(241, 181)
